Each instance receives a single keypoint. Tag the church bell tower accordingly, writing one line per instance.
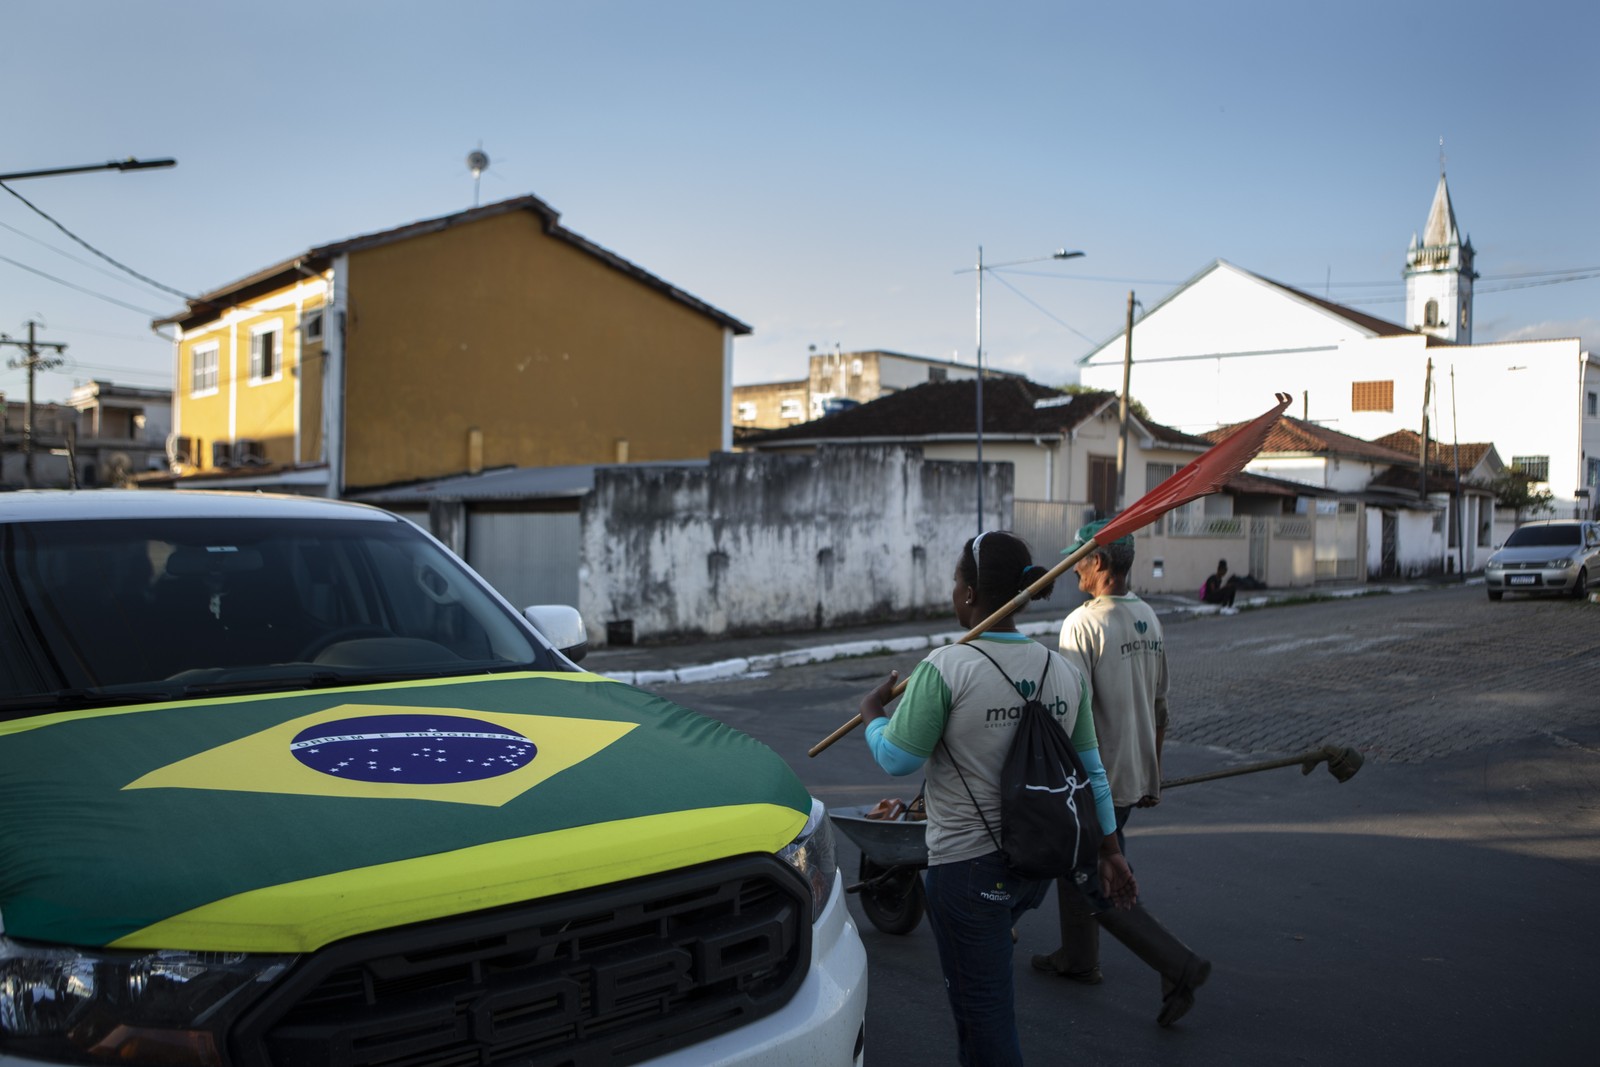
(1439, 275)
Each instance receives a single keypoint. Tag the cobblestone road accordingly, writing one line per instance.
(1403, 678)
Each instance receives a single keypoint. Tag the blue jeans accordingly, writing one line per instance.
(972, 906)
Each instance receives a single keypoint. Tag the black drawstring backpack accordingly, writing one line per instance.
(1048, 824)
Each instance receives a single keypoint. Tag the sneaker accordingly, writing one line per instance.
(1088, 976)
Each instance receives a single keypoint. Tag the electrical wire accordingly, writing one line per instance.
(150, 338)
(120, 266)
(1040, 308)
(68, 255)
(1573, 274)
(80, 288)
(164, 376)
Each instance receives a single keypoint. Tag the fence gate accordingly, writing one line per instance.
(1260, 535)
(1338, 540)
(1047, 525)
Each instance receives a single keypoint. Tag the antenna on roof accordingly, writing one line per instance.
(477, 163)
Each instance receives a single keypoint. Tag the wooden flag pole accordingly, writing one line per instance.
(1205, 475)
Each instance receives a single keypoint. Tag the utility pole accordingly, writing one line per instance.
(978, 389)
(1422, 450)
(1461, 522)
(33, 363)
(1122, 408)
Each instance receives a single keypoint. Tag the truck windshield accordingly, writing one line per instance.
(167, 605)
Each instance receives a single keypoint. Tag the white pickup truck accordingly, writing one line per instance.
(282, 782)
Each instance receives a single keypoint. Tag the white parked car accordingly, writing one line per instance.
(283, 782)
(1554, 556)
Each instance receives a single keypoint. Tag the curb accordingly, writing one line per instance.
(800, 657)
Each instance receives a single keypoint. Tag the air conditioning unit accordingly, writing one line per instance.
(182, 451)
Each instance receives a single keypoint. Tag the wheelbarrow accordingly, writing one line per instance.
(894, 852)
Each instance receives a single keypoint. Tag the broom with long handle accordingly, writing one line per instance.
(1205, 475)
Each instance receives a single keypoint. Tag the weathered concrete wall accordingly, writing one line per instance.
(773, 542)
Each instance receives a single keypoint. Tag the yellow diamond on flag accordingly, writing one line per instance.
(396, 752)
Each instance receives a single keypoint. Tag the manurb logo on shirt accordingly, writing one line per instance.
(1141, 625)
(1004, 716)
(1141, 644)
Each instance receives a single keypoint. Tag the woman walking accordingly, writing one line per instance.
(957, 717)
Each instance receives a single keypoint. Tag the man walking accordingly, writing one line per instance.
(1115, 641)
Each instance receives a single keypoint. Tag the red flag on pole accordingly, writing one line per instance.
(1205, 475)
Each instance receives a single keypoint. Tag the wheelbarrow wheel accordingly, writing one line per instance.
(895, 904)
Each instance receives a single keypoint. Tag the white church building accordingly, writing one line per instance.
(1216, 349)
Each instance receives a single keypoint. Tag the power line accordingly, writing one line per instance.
(120, 266)
(149, 338)
(165, 376)
(1567, 274)
(65, 254)
(80, 288)
(1037, 306)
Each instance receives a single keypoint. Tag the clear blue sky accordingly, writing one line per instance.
(820, 170)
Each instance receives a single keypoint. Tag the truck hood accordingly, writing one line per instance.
(279, 823)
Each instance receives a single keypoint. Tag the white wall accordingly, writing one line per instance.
(772, 542)
(1058, 470)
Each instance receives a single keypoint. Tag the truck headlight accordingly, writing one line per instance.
(815, 856)
(165, 1008)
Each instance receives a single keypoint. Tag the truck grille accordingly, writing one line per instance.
(604, 977)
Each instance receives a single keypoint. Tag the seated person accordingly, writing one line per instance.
(1219, 587)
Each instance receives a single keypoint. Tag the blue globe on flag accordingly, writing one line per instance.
(426, 749)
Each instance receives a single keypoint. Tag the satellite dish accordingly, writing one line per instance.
(477, 163)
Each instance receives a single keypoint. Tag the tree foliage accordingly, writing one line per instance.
(1134, 406)
(1513, 490)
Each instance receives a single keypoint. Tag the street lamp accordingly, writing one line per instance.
(1060, 253)
(116, 164)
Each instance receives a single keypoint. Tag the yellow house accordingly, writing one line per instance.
(492, 337)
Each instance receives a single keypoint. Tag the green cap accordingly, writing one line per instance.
(1087, 532)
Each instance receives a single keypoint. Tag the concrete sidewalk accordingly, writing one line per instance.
(714, 658)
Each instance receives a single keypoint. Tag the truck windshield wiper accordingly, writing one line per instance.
(25, 705)
(268, 684)
(323, 679)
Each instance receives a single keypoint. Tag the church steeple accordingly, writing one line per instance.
(1439, 274)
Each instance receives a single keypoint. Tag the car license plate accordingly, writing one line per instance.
(1521, 579)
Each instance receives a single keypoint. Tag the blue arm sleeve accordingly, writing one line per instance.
(1102, 790)
(897, 761)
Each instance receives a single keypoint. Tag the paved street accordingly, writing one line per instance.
(1403, 678)
(1436, 908)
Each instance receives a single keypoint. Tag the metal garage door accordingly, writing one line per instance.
(530, 557)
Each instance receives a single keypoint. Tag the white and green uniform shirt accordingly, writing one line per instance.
(956, 695)
(1116, 642)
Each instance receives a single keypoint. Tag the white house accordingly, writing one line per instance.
(1062, 449)
(1216, 349)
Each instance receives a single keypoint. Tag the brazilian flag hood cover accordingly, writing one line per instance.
(280, 823)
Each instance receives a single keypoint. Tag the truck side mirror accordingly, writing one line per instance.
(562, 626)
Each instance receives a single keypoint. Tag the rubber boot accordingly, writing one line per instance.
(1078, 958)
(1182, 972)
